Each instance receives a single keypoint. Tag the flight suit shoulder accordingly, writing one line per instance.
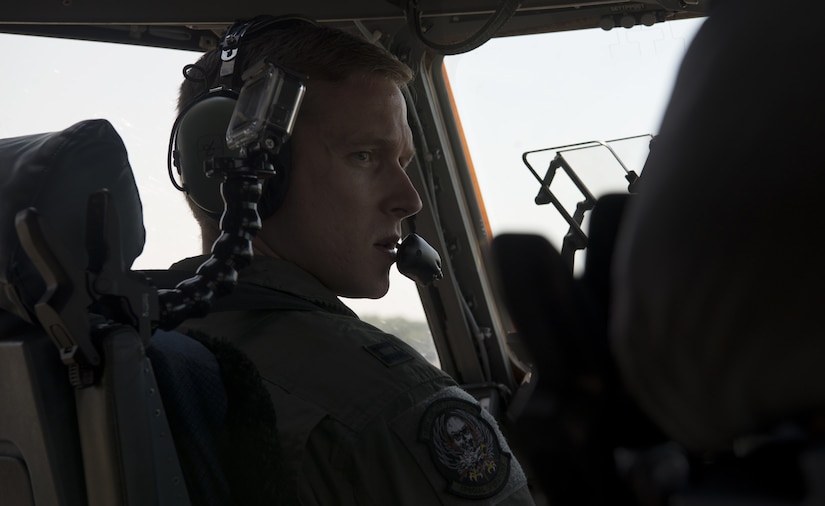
(461, 450)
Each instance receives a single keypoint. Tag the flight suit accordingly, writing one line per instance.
(362, 417)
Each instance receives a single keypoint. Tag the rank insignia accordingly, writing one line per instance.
(389, 353)
(465, 448)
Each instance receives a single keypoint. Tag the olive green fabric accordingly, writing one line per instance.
(350, 400)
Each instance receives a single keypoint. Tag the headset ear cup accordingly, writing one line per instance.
(201, 136)
(275, 188)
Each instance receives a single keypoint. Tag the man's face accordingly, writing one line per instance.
(349, 191)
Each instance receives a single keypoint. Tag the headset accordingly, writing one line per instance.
(244, 117)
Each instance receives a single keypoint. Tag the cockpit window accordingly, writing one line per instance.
(60, 82)
(524, 94)
(514, 95)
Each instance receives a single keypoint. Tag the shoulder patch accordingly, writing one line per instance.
(464, 448)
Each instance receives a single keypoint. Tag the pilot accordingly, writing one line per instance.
(358, 410)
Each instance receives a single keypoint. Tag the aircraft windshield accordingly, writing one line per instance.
(562, 90)
(514, 95)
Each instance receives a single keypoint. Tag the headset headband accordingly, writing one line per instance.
(229, 48)
(243, 30)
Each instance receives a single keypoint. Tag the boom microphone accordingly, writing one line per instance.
(417, 260)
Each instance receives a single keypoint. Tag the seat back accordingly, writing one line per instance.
(578, 412)
(717, 297)
(82, 420)
(40, 457)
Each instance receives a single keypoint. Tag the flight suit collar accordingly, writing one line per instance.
(277, 274)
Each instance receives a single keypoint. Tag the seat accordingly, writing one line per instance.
(83, 422)
(104, 402)
(718, 296)
(40, 456)
(717, 315)
(578, 413)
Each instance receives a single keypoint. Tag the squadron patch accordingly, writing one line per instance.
(464, 448)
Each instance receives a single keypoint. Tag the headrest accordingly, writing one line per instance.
(717, 317)
(55, 173)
